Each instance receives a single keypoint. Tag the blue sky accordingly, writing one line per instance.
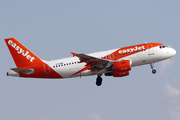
(53, 29)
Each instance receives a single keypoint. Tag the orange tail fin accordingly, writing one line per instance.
(22, 56)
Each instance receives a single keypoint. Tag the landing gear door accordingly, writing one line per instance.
(150, 49)
(46, 69)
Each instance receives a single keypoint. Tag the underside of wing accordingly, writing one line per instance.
(94, 62)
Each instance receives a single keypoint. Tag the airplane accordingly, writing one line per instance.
(115, 62)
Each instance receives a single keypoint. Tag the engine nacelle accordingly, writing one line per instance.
(121, 66)
(120, 74)
(117, 74)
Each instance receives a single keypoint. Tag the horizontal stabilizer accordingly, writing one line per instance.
(22, 70)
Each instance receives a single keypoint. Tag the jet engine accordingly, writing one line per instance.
(117, 74)
(121, 66)
(119, 69)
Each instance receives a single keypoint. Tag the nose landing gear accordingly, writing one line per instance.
(152, 67)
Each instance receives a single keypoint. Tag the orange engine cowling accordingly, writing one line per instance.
(120, 74)
(119, 69)
(121, 66)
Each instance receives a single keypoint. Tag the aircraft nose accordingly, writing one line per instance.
(173, 51)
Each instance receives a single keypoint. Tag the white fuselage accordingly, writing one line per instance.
(68, 66)
(115, 62)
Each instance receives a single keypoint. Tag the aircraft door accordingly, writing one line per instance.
(46, 69)
(150, 49)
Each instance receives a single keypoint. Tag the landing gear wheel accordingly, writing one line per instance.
(152, 67)
(154, 71)
(98, 81)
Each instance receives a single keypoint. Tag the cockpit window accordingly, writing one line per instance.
(162, 46)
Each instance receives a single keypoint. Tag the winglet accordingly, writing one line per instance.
(74, 54)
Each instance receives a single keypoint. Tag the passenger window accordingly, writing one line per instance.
(69, 63)
(74, 62)
(64, 64)
(53, 66)
(59, 65)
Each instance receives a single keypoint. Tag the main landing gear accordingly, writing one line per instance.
(152, 67)
(98, 80)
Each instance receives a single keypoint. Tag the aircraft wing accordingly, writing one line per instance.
(92, 61)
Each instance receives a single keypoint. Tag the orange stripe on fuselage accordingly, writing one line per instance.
(130, 50)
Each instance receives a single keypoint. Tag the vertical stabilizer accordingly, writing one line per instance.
(21, 55)
(28, 64)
